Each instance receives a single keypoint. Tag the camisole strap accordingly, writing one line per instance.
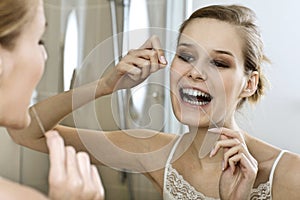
(274, 167)
(170, 158)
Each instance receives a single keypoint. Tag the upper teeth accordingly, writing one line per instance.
(195, 93)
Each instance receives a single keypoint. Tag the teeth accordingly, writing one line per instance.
(195, 93)
(198, 103)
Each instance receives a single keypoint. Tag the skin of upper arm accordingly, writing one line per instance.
(286, 182)
(14, 191)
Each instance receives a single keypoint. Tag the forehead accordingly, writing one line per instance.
(36, 26)
(211, 34)
(40, 15)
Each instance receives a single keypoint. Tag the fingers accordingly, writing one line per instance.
(71, 175)
(56, 155)
(92, 185)
(143, 59)
(75, 181)
(97, 183)
(235, 151)
(140, 63)
(244, 163)
(154, 43)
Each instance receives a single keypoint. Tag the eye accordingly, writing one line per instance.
(219, 63)
(186, 57)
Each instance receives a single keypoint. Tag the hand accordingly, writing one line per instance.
(137, 65)
(239, 166)
(71, 176)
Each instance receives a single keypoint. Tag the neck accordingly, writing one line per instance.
(204, 142)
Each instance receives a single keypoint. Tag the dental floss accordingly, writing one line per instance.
(38, 119)
(209, 140)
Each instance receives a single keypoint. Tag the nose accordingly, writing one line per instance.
(197, 74)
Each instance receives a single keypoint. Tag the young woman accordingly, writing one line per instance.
(217, 67)
(22, 58)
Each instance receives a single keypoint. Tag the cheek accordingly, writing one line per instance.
(233, 88)
(28, 72)
(177, 71)
(35, 69)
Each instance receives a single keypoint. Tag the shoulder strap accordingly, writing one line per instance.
(274, 167)
(170, 158)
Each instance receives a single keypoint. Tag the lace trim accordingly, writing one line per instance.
(262, 192)
(180, 189)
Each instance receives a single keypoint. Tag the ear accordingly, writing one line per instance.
(251, 85)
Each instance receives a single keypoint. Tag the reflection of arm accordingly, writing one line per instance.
(133, 69)
(14, 191)
(51, 111)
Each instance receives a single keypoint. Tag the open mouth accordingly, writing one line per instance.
(195, 97)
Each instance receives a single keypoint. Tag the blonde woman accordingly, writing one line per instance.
(22, 58)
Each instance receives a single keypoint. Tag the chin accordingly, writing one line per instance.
(196, 121)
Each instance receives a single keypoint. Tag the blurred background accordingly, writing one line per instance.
(85, 38)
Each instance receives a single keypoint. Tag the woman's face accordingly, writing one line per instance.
(207, 73)
(22, 69)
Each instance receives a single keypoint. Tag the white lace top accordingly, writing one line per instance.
(176, 188)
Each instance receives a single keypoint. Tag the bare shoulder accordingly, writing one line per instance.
(286, 184)
(14, 191)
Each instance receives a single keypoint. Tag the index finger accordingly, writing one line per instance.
(56, 154)
(154, 43)
(232, 133)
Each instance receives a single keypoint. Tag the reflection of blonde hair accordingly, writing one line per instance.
(245, 19)
(14, 15)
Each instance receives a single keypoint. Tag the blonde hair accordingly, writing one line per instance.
(245, 19)
(14, 15)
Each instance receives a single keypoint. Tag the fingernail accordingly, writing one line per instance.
(163, 60)
(215, 130)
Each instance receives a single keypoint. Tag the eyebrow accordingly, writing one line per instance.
(186, 44)
(215, 50)
(224, 52)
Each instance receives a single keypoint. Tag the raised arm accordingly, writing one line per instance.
(134, 68)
